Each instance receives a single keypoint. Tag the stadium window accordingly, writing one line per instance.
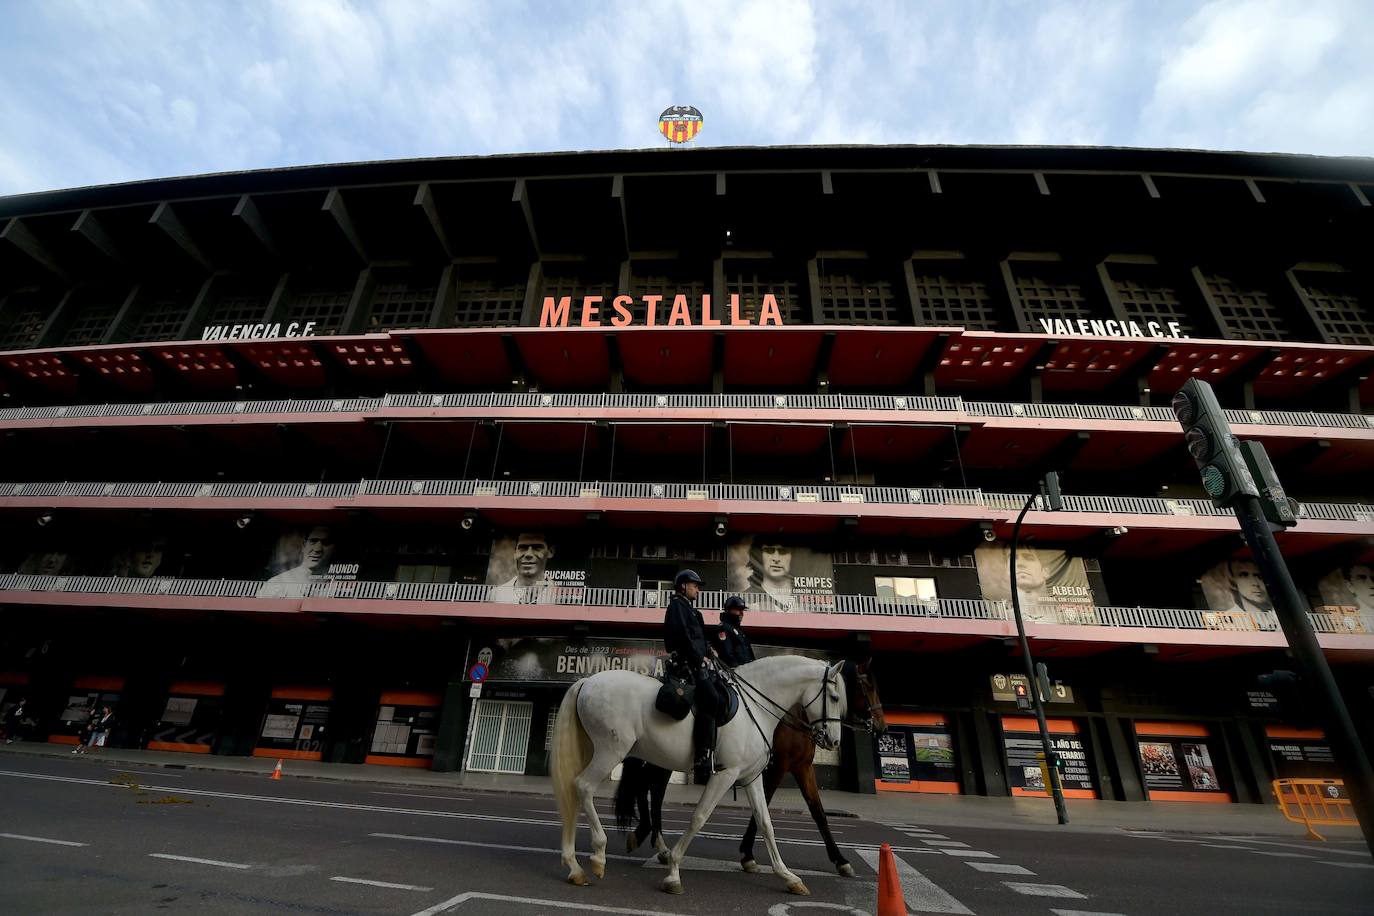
(904, 588)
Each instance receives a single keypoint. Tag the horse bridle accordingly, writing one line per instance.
(815, 728)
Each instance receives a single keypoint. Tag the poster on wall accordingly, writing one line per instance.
(306, 555)
(1177, 757)
(406, 730)
(294, 725)
(894, 763)
(189, 720)
(1300, 753)
(1237, 597)
(1021, 742)
(1347, 597)
(780, 575)
(1053, 586)
(55, 561)
(561, 660)
(531, 567)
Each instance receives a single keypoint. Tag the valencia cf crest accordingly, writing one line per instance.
(680, 124)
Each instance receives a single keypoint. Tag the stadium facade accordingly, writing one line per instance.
(290, 455)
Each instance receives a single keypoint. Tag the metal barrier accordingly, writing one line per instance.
(1322, 802)
(852, 605)
(638, 401)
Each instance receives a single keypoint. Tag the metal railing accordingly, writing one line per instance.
(340, 492)
(620, 598)
(639, 401)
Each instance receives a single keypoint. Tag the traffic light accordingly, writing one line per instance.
(1022, 696)
(1278, 506)
(1225, 475)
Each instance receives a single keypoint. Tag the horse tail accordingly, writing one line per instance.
(628, 791)
(572, 751)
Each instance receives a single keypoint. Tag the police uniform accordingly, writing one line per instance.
(730, 643)
(685, 638)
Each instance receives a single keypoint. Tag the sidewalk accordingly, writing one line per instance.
(933, 810)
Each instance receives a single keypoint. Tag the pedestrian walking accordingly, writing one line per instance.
(14, 721)
(100, 729)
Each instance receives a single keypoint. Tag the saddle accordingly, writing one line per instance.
(677, 697)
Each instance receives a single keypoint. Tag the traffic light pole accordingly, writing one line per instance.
(1292, 610)
(1051, 771)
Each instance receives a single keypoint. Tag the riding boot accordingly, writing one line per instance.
(704, 737)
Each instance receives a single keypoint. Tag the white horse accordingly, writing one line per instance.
(610, 716)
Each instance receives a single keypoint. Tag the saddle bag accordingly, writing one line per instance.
(675, 697)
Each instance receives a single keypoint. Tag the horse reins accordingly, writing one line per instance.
(785, 716)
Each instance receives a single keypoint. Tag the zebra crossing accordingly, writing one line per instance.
(924, 896)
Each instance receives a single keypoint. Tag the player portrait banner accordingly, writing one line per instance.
(306, 555)
(535, 567)
(535, 659)
(1053, 586)
(143, 556)
(778, 574)
(1237, 597)
(1347, 598)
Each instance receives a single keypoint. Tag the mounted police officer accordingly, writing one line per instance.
(728, 639)
(685, 639)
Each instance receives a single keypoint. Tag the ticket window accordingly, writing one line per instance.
(86, 692)
(190, 718)
(1179, 762)
(1022, 746)
(294, 725)
(406, 730)
(1300, 753)
(916, 754)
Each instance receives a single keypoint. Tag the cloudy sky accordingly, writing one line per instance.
(113, 90)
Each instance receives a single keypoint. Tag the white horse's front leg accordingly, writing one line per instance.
(710, 797)
(759, 802)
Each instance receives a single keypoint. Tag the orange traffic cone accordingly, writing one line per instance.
(890, 902)
(276, 774)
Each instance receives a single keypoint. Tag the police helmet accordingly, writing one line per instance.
(735, 603)
(687, 575)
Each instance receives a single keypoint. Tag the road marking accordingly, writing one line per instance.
(696, 863)
(1000, 868)
(413, 795)
(1044, 890)
(455, 902)
(921, 894)
(380, 809)
(1257, 842)
(950, 844)
(387, 884)
(785, 909)
(40, 839)
(1349, 864)
(146, 773)
(215, 862)
(1082, 913)
(1224, 846)
(925, 835)
(1281, 855)
(968, 853)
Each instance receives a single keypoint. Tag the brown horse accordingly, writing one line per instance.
(642, 786)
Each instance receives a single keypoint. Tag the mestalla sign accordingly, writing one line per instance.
(679, 311)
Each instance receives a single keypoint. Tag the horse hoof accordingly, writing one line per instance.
(750, 866)
(672, 887)
(801, 890)
(845, 869)
(663, 858)
(631, 843)
(599, 869)
(577, 879)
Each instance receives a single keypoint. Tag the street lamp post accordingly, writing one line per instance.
(1051, 483)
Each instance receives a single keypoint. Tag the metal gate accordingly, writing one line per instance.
(500, 736)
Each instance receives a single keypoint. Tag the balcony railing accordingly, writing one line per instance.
(897, 404)
(343, 492)
(843, 605)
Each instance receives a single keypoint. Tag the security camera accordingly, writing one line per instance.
(720, 529)
(244, 520)
(45, 519)
(989, 535)
(467, 522)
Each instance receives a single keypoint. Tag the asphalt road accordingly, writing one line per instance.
(84, 837)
